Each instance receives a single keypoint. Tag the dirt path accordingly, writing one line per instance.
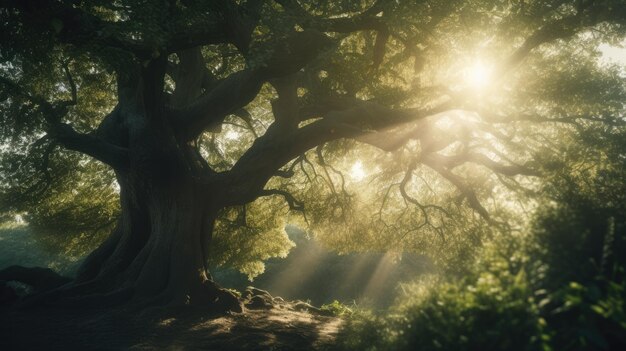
(272, 329)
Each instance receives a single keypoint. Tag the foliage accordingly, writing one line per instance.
(491, 310)
(495, 309)
(560, 285)
(591, 316)
(70, 209)
(442, 157)
(246, 237)
(364, 331)
(336, 308)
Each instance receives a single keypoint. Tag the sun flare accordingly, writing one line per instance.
(478, 75)
(356, 172)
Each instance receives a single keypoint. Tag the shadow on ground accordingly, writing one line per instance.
(183, 329)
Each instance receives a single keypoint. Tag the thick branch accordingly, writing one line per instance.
(208, 111)
(365, 120)
(367, 20)
(594, 13)
(190, 76)
(202, 34)
(469, 194)
(285, 108)
(65, 135)
(240, 88)
(276, 148)
(114, 156)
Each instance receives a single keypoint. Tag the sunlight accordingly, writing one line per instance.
(613, 54)
(298, 272)
(19, 219)
(356, 172)
(358, 270)
(477, 75)
(380, 276)
(232, 135)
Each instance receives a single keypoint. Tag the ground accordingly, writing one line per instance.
(183, 329)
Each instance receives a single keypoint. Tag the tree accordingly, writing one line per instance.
(209, 112)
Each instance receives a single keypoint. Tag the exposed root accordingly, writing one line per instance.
(209, 297)
(40, 279)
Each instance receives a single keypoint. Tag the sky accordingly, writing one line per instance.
(614, 54)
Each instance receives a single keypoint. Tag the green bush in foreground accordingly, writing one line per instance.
(497, 312)
(493, 313)
(511, 302)
(336, 308)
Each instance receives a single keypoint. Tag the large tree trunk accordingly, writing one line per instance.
(169, 202)
(157, 253)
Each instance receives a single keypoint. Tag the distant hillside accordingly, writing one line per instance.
(19, 245)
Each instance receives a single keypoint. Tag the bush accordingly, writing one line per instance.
(588, 317)
(493, 313)
(526, 292)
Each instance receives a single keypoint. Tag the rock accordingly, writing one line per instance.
(305, 307)
(258, 292)
(259, 303)
(229, 301)
(20, 288)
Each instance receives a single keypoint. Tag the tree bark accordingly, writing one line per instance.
(156, 255)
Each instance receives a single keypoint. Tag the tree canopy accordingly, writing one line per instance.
(421, 126)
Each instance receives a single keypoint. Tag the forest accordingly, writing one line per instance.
(313, 175)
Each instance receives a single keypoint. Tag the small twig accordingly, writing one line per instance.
(293, 203)
(71, 82)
